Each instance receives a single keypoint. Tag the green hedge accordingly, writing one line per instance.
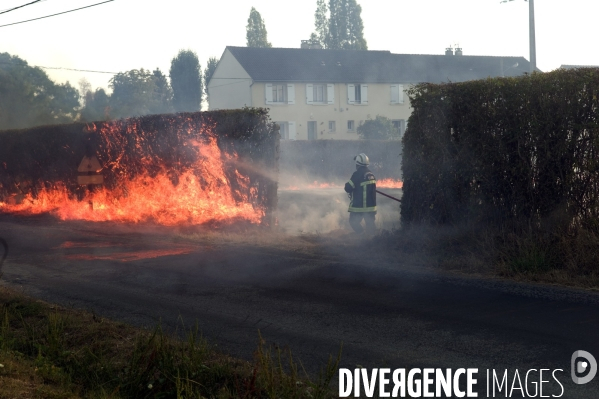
(42, 156)
(487, 151)
(333, 159)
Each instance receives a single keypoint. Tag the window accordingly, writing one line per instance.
(320, 94)
(357, 94)
(399, 126)
(279, 93)
(396, 94)
(351, 126)
(332, 127)
(284, 131)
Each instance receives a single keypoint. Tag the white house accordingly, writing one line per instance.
(327, 94)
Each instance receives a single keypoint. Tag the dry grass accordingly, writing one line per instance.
(549, 255)
(48, 351)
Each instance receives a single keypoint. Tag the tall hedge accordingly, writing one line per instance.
(41, 156)
(523, 148)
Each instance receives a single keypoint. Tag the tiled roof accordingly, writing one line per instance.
(340, 66)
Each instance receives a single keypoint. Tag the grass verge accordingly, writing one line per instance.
(568, 257)
(48, 351)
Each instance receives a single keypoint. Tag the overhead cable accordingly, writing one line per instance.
(16, 8)
(53, 15)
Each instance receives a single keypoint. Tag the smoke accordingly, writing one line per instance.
(318, 206)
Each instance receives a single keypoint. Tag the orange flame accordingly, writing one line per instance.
(389, 183)
(382, 183)
(202, 194)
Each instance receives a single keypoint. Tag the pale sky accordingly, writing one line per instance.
(132, 34)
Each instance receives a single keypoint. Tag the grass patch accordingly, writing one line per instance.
(48, 351)
(552, 255)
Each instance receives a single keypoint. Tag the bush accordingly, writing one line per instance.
(379, 128)
(504, 149)
(40, 157)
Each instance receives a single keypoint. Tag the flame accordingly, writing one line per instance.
(195, 194)
(389, 183)
(382, 183)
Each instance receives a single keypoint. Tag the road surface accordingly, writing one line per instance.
(309, 293)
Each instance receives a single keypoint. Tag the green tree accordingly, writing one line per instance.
(256, 34)
(28, 97)
(186, 82)
(379, 128)
(97, 106)
(321, 24)
(346, 29)
(132, 93)
(162, 100)
(208, 72)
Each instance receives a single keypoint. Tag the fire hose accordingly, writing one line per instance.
(388, 196)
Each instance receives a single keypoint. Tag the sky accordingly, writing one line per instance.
(132, 34)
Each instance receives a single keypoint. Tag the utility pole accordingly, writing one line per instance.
(531, 33)
(531, 28)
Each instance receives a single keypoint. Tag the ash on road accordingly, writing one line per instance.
(307, 292)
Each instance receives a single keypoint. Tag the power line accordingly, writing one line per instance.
(66, 69)
(60, 13)
(77, 70)
(16, 8)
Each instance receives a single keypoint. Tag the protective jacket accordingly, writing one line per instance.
(362, 189)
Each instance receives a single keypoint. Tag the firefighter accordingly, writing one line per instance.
(361, 189)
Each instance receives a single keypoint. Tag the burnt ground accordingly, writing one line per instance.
(306, 292)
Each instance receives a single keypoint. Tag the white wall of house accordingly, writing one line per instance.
(230, 86)
(298, 107)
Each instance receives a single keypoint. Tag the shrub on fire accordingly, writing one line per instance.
(185, 167)
(520, 149)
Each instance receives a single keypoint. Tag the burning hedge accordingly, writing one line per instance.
(505, 149)
(188, 168)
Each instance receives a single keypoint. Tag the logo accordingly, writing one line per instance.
(583, 363)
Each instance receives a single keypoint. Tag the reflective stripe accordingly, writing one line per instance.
(370, 209)
(351, 183)
(364, 199)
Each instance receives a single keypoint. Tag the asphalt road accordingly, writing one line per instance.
(308, 293)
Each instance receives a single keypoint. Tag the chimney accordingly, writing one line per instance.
(308, 44)
(458, 51)
(448, 51)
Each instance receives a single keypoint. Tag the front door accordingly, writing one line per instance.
(311, 130)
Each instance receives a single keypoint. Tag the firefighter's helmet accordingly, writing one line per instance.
(362, 160)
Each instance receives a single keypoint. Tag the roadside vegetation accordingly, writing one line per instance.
(47, 351)
(504, 172)
(552, 256)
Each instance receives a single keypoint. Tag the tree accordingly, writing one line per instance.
(379, 128)
(256, 31)
(28, 97)
(162, 100)
(321, 24)
(97, 106)
(84, 88)
(208, 72)
(133, 93)
(346, 29)
(186, 82)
